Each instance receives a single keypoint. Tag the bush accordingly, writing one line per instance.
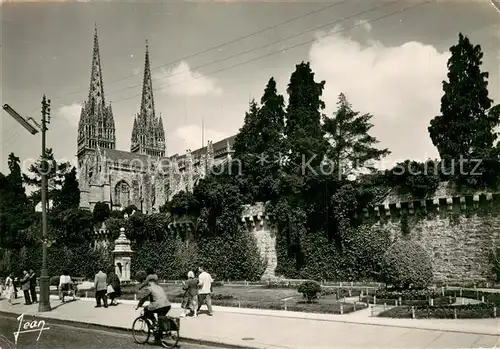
(468, 311)
(310, 290)
(406, 265)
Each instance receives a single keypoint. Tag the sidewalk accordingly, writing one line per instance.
(254, 328)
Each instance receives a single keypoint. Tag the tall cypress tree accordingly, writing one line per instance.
(466, 125)
(69, 196)
(16, 211)
(304, 135)
(245, 140)
(259, 143)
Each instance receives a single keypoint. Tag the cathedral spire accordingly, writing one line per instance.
(96, 90)
(147, 102)
(96, 126)
(148, 135)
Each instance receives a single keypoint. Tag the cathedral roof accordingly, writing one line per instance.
(125, 156)
(218, 147)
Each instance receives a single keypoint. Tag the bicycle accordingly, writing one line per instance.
(166, 329)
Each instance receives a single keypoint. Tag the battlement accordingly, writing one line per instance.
(254, 215)
(444, 200)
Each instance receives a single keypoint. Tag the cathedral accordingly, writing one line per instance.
(144, 176)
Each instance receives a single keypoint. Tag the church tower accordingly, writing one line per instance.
(148, 135)
(96, 128)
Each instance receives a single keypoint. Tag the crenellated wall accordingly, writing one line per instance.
(459, 231)
(254, 219)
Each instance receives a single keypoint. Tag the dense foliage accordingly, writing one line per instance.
(310, 290)
(464, 133)
(315, 173)
(406, 265)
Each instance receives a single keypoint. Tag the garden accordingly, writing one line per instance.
(327, 300)
(320, 233)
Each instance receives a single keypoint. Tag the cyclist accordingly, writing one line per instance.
(158, 301)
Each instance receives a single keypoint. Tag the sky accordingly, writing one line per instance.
(211, 58)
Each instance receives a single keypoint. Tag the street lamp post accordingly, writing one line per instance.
(44, 304)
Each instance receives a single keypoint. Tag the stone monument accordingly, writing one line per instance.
(122, 254)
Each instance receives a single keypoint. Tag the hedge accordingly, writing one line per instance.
(468, 311)
(230, 257)
(489, 297)
(78, 261)
(418, 302)
(408, 294)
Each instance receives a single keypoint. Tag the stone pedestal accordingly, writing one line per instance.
(122, 255)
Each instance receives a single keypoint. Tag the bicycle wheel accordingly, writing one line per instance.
(169, 339)
(141, 330)
(170, 336)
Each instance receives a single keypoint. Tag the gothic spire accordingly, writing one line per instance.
(96, 125)
(148, 135)
(96, 91)
(147, 102)
(161, 130)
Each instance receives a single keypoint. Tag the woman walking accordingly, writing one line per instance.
(114, 287)
(190, 301)
(9, 288)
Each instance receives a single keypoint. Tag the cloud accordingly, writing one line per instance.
(364, 24)
(181, 80)
(70, 112)
(400, 86)
(190, 137)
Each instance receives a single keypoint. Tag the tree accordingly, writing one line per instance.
(16, 211)
(101, 212)
(305, 147)
(56, 172)
(72, 227)
(304, 134)
(465, 128)
(260, 142)
(248, 133)
(69, 195)
(351, 145)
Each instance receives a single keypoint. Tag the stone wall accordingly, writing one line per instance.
(459, 246)
(260, 226)
(458, 231)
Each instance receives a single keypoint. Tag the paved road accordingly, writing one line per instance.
(68, 337)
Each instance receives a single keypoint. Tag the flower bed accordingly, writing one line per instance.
(468, 311)
(487, 297)
(340, 292)
(418, 302)
(424, 294)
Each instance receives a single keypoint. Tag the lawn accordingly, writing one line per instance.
(252, 297)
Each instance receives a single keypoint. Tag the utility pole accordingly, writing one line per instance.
(44, 304)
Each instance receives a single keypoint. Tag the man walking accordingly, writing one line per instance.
(25, 286)
(101, 288)
(205, 282)
(33, 286)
